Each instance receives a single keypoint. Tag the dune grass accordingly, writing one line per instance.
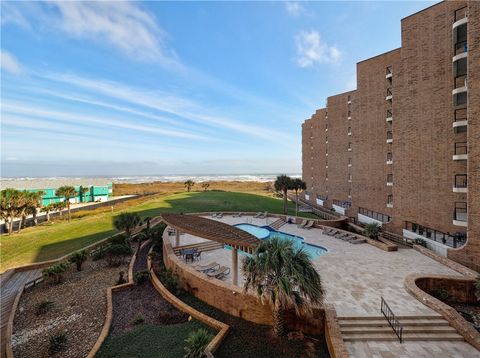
(49, 241)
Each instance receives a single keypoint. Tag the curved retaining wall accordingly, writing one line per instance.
(221, 327)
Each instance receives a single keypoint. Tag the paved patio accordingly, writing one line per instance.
(355, 277)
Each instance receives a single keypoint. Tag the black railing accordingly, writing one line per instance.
(389, 92)
(389, 113)
(322, 197)
(460, 114)
(452, 240)
(392, 319)
(460, 180)
(388, 70)
(389, 157)
(461, 13)
(389, 135)
(343, 204)
(384, 218)
(460, 148)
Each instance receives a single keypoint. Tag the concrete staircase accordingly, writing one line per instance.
(201, 247)
(415, 328)
(277, 224)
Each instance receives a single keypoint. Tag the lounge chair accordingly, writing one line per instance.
(237, 215)
(303, 223)
(214, 215)
(327, 231)
(257, 215)
(219, 273)
(340, 235)
(212, 266)
(309, 224)
(357, 241)
(219, 215)
(263, 215)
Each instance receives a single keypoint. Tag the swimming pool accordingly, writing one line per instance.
(266, 232)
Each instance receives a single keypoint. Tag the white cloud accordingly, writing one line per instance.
(294, 8)
(311, 50)
(9, 63)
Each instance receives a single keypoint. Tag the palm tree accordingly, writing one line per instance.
(283, 183)
(83, 192)
(36, 202)
(9, 206)
(67, 192)
(297, 184)
(47, 209)
(205, 186)
(189, 184)
(127, 222)
(284, 277)
(24, 204)
(372, 230)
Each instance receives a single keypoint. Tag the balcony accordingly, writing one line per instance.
(460, 183)
(460, 151)
(389, 95)
(459, 30)
(389, 161)
(460, 118)
(389, 205)
(389, 137)
(460, 214)
(389, 73)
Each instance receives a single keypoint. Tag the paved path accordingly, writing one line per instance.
(10, 289)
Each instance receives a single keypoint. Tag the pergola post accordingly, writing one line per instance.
(235, 265)
(177, 237)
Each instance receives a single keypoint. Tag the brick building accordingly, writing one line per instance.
(403, 149)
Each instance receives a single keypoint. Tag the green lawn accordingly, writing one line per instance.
(47, 242)
(150, 341)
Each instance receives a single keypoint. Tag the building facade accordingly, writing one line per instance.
(403, 149)
(94, 193)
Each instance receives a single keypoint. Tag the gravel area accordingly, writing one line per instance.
(471, 312)
(79, 309)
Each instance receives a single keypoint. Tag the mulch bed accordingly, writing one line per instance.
(79, 309)
(471, 312)
(142, 301)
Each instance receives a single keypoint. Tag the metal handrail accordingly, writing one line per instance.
(392, 319)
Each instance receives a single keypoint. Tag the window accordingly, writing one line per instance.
(390, 199)
(388, 70)
(460, 98)
(349, 177)
(349, 114)
(349, 130)
(349, 160)
(460, 67)
(389, 135)
(390, 178)
(389, 157)
(389, 113)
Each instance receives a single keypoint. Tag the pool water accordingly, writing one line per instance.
(266, 232)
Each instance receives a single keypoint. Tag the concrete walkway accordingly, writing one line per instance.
(9, 291)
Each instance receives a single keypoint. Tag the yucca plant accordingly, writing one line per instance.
(57, 343)
(78, 258)
(284, 277)
(197, 342)
(372, 230)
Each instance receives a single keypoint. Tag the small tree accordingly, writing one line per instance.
(78, 258)
(56, 272)
(189, 184)
(47, 209)
(115, 254)
(283, 183)
(127, 222)
(284, 277)
(205, 186)
(67, 192)
(197, 342)
(297, 185)
(83, 192)
(372, 230)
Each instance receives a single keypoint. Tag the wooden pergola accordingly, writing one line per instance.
(215, 231)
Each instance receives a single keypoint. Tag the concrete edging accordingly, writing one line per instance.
(223, 328)
(333, 334)
(448, 313)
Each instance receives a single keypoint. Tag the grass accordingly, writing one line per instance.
(150, 341)
(49, 241)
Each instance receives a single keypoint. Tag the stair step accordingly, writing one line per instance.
(383, 317)
(384, 322)
(352, 337)
(406, 329)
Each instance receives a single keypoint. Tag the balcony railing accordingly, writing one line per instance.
(460, 212)
(460, 181)
(389, 95)
(460, 81)
(461, 148)
(452, 240)
(461, 13)
(384, 218)
(343, 204)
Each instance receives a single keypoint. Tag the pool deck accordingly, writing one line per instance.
(355, 277)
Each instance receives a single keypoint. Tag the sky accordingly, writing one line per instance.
(157, 88)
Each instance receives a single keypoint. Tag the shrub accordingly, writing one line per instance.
(141, 277)
(121, 279)
(440, 293)
(170, 280)
(78, 258)
(56, 271)
(115, 254)
(118, 240)
(197, 342)
(138, 320)
(372, 230)
(44, 307)
(98, 255)
(421, 242)
(57, 343)
(477, 288)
